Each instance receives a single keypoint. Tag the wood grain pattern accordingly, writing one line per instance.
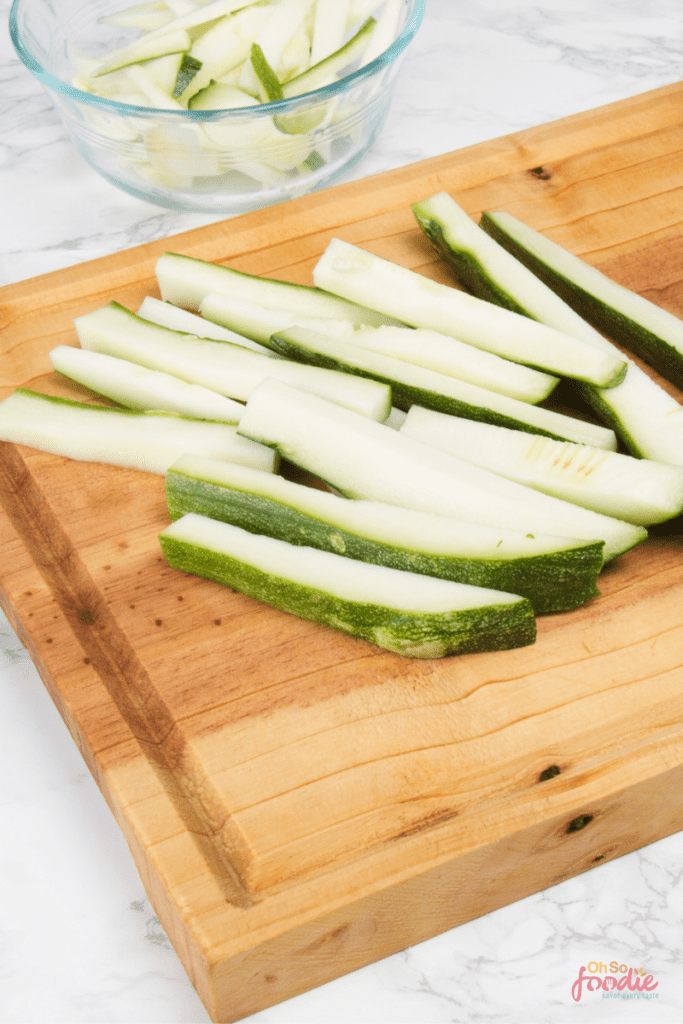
(299, 803)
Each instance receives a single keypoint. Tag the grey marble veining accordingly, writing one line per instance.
(79, 942)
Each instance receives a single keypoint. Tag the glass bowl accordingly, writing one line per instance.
(215, 161)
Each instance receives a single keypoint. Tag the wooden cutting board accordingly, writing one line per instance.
(299, 803)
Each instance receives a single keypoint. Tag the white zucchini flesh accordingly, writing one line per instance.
(429, 349)
(385, 30)
(373, 461)
(122, 437)
(326, 71)
(359, 10)
(636, 490)
(144, 17)
(141, 77)
(396, 418)
(296, 54)
(146, 48)
(201, 14)
(224, 47)
(329, 28)
(185, 281)
(435, 351)
(136, 387)
(412, 384)
(282, 24)
(415, 616)
(231, 370)
(369, 280)
(164, 72)
(646, 417)
(258, 134)
(259, 323)
(165, 314)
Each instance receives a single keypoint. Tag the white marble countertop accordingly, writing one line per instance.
(78, 939)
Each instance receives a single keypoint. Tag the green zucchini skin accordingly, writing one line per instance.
(410, 634)
(466, 267)
(634, 336)
(552, 582)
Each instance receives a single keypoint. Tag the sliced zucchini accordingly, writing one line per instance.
(158, 97)
(329, 28)
(478, 263)
(165, 314)
(136, 387)
(247, 135)
(359, 10)
(435, 351)
(221, 96)
(185, 281)
(385, 31)
(296, 56)
(631, 320)
(150, 441)
(396, 418)
(364, 459)
(552, 572)
(412, 385)
(646, 418)
(146, 48)
(269, 83)
(635, 490)
(224, 46)
(144, 17)
(414, 616)
(163, 71)
(259, 323)
(328, 69)
(364, 278)
(422, 347)
(203, 15)
(231, 370)
(284, 23)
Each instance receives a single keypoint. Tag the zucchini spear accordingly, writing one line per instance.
(553, 573)
(365, 459)
(636, 490)
(415, 616)
(411, 384)
(149, 441)
(629, 319)
(368, 280)
(646, 418)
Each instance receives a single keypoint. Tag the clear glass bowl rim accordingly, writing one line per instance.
(264, 109)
